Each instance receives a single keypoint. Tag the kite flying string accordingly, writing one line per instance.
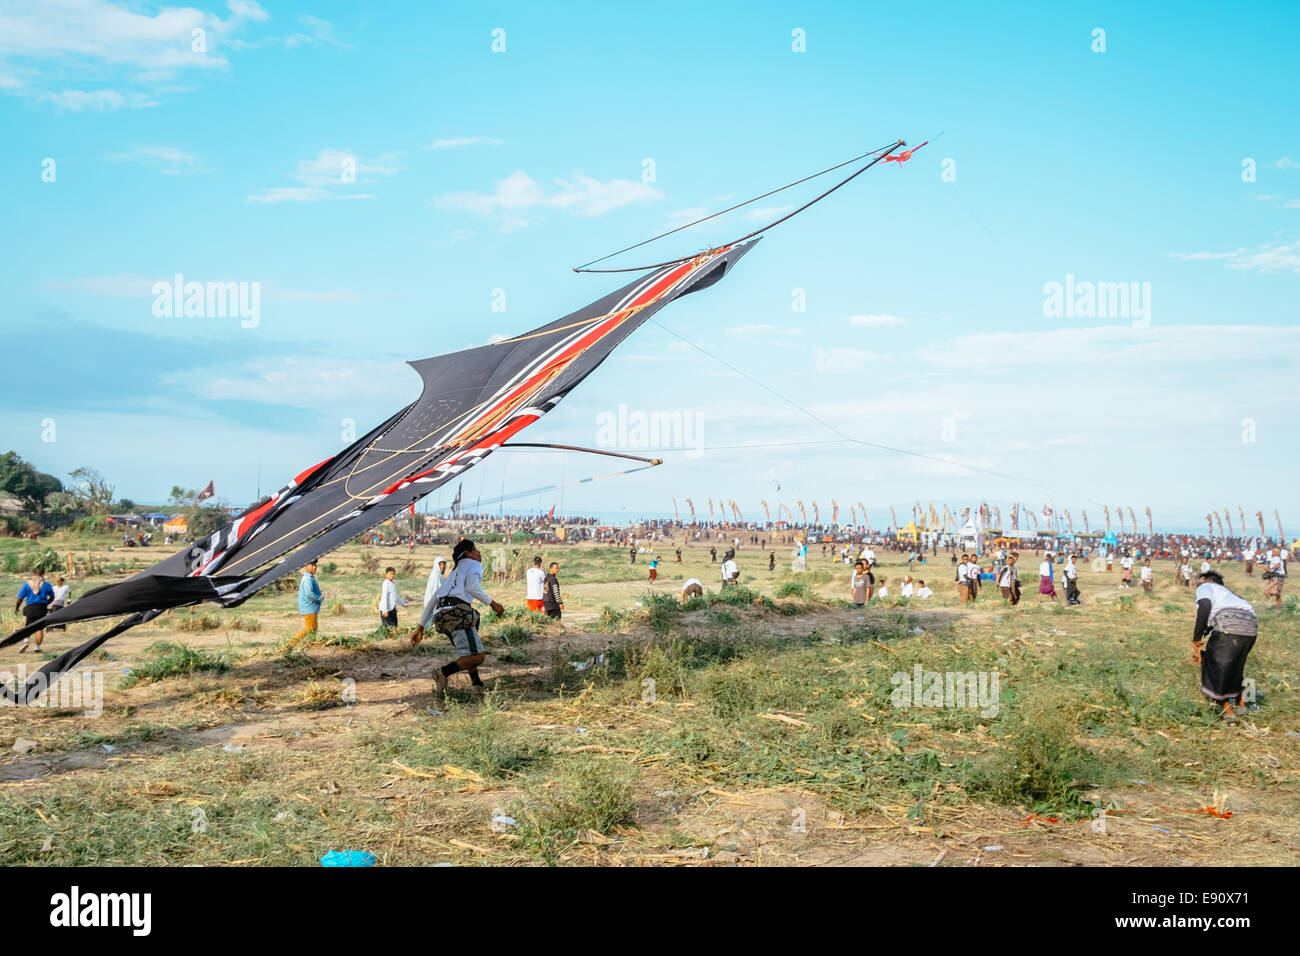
(567, 484)
(878, 153)
(862, 441)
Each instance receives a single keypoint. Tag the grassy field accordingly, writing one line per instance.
(752, 727)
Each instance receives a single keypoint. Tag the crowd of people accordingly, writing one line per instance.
(1225, 630)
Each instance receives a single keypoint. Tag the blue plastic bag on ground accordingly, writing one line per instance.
(347, 858)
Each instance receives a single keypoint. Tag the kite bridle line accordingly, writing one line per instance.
(879, 154)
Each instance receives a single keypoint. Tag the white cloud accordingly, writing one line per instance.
(845, 360)
(765, 213)
(78, 101)
(300, 382)
(96, 41)
(463, 141)
(762, 330)
(1144, 351)
(514, 202)
(330, 174)
(1270, 257)
(167, 159)
(876, 320)
(1286, 162)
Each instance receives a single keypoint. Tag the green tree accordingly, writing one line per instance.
(95, 492)
(182, 497)
(20, 479)
(206, 520)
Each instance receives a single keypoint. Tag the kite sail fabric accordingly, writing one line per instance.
(473, 402)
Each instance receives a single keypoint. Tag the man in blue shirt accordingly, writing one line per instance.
(309, 601)
(34, 600)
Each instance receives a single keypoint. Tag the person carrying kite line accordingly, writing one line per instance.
(452, 613)
(34, 598)
(1230, 622)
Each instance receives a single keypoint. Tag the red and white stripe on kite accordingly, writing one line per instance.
(554, 361)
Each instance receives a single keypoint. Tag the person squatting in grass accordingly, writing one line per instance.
(692, 588)
(452, 613)
(1230, 622)
(309, 602)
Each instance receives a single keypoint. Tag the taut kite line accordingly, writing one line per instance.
(472, 403)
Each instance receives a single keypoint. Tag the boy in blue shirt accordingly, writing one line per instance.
(309, 601)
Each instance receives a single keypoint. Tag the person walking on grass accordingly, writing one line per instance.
(858, 584)
(552, 603)
(654, 568)
(1146, 575)
(1009, 580)
(963, 580)
(309, 602)
(452, 613)
(389, 599)
(34, 599)
(1071, 574)
(1046, 586)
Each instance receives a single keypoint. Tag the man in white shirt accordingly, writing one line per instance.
(923, 592)
(1146, 575)
(535, 582)
(1071, 581)
(452, 613)
(389, 599)
(963, 580)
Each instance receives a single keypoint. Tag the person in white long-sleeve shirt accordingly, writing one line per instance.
(436, 574)
(451, 612)
(389, 599)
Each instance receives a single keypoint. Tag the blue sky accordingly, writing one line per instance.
(476, 171)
